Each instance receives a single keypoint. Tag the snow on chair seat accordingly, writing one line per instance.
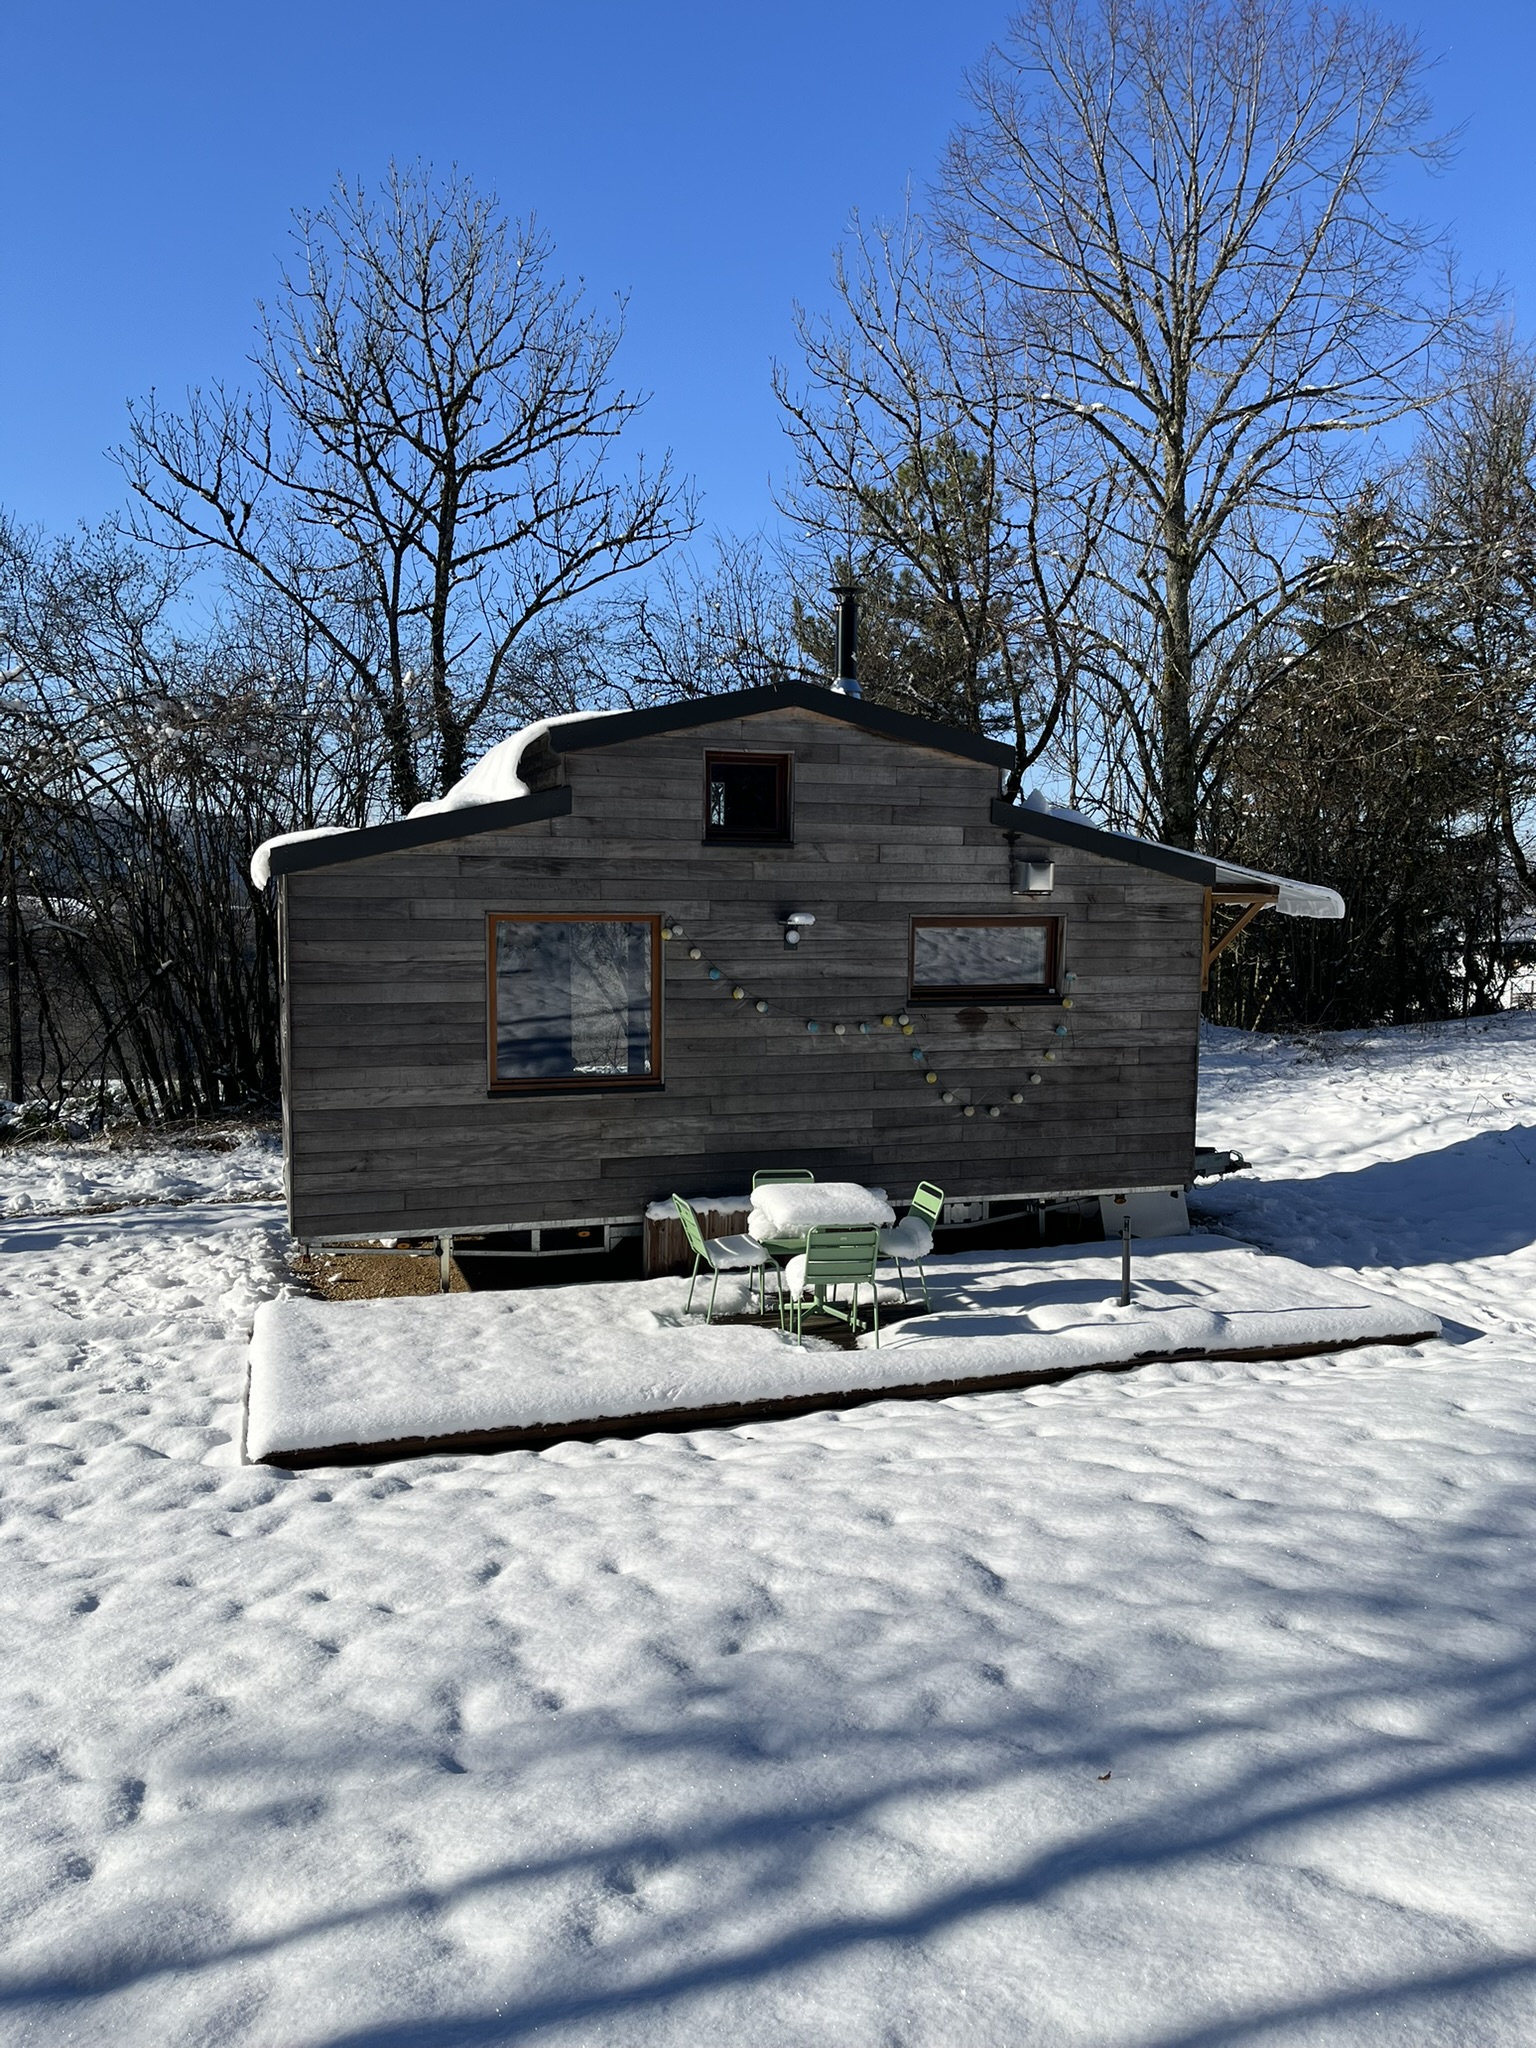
(912, 1239)
(723, 1255)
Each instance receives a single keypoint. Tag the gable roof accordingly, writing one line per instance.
(449, 818)
(604, 730)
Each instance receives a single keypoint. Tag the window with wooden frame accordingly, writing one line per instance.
(575, 1000)
(1000, 959)
(747, 798)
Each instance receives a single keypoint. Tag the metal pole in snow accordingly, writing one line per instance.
(1125, 1262)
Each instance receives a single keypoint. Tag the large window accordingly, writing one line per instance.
(1004, 958)
(575, 1001)
(746, 797)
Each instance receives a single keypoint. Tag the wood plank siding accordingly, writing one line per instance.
(390, 1124)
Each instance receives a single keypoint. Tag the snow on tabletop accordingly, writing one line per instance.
(789, 1208)
(326, 1373)
(1186, 1705)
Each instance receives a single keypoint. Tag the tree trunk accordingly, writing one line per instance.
(404, 785)
(1177, 795)
(16, 1083)
(452, 740)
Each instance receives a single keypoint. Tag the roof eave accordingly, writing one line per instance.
(1139, 853)
(403, 833)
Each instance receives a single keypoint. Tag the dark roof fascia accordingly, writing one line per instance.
(1139, 853)
(407, 832)
(694, 711)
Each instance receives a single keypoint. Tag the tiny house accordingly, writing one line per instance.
(653, 951)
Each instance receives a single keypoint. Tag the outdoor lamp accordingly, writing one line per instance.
(1033, 877)
(797, 922)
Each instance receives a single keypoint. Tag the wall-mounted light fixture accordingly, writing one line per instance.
(1032, 877)
(798, 921)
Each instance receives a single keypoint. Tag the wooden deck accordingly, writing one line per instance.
(679, 1420)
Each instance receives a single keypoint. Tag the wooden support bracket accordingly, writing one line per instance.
(1255, 900)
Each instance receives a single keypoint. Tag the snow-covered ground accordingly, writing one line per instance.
(1183, 1707)
(67, 1178)
(1405, 1155)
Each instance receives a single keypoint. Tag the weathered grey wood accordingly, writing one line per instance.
(665, 1247)
(390, 1121)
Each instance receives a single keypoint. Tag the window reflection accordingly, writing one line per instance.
(574, 999)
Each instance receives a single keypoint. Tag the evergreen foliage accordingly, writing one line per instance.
(1368, 766)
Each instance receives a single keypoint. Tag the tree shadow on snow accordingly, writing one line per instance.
(1472, 1200)
(1319, 1758)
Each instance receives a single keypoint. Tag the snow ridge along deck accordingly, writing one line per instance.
(368, 1381)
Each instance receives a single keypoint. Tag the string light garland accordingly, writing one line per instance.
(891, 1020)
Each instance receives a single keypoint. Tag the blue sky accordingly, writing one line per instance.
(701, 158)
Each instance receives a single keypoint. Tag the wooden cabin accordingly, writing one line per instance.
(778, 927)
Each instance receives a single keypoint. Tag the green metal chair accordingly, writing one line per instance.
(832, 1258)
(912, 1239)
(725, 1255)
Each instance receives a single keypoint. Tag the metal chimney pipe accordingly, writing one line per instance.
(847, 677)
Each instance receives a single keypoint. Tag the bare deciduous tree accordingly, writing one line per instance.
(702, 625)
(425, 470)
(922, 466)
(1177, 209)
(143, 765)
(1477, 526)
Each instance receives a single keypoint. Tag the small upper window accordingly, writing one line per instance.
(575, 1000)
(1005, 958)
(746, 796)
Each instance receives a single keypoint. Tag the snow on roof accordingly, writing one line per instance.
(261, 859)
(1295, 899)
(494, 779)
